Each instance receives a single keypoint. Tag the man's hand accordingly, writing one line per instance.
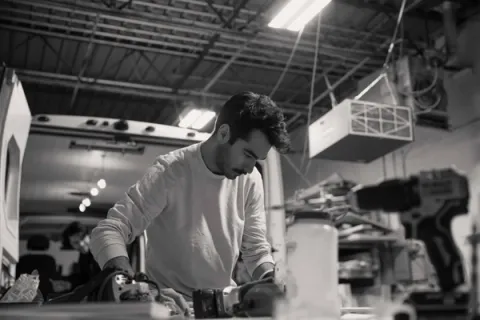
(120, 264)
(175, 301)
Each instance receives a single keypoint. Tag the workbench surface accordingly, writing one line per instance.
(106, 311)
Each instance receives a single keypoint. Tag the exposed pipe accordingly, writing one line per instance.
(134, 89)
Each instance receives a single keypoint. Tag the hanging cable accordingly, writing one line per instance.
(428, 93)
(274, 90)
(297, 170)
(287, 66)
(395, 32)
(312, 96)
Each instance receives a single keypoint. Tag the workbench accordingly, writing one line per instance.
(106, 311)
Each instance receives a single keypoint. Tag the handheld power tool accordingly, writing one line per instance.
(428, 202)
(253, 299)
(111, 286)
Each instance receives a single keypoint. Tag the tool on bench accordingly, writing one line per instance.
(251, 299)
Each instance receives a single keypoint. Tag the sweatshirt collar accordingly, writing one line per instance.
(203, 166)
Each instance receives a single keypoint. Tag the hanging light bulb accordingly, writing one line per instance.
(82, 207)
(86, 202)
(102, 183)
(94, 192)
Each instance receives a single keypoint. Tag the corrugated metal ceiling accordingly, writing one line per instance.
(144, 59)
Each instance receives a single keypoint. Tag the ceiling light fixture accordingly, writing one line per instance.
(82, 207)
(94, 192)
(196, 119)
(86, 202)
(102, 183)
(297, 13)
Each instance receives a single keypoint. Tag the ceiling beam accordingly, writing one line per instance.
(157, 46)
(133, 89)
(391, 9)
(188, 43)
(181, 24)
(206, 48)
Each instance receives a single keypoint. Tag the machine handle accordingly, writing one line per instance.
(435, 232)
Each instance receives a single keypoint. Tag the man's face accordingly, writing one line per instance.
(79, 242)
(241, 156)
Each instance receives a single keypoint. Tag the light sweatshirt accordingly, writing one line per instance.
(197, 222)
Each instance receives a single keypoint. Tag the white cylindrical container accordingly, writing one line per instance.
(312, 267)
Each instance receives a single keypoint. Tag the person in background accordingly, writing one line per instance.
(75, 236)
(201, 206)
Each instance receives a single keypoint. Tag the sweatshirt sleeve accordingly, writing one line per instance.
(255, 248)
(130, 216)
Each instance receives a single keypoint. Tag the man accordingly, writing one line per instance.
(75, 236)
(202, 204)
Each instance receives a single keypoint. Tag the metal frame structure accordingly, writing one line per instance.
(219, 47)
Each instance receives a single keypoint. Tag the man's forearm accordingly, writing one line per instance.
(107, 243)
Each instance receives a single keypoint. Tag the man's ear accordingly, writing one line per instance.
(223, 134)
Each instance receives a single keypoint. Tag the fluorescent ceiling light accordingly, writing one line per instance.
(297, 13)
(94, 192)
(102, 183)
(86, 202)
(196, 119)
(287, 13)
(203, 120)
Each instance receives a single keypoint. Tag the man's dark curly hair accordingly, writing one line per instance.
(247, 111)
(73, 228)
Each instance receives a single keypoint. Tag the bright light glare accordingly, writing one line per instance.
(190, 118)
(196, 119)
(203, 120)
(82, 207)
(94, 192)
(86, 202)
(308, 14)
(102, 183)
(297, 13)
(287, 13)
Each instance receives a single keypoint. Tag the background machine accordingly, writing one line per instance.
(426, 203)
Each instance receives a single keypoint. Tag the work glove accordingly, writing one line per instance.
(120, 264)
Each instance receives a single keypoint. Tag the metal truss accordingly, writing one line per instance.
(228, 36)
(129, 88)
(138, 28)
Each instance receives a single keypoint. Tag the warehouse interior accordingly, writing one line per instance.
(371, 91)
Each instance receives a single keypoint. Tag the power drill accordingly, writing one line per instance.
(110, 285)
(253, 299)
(428, 203)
